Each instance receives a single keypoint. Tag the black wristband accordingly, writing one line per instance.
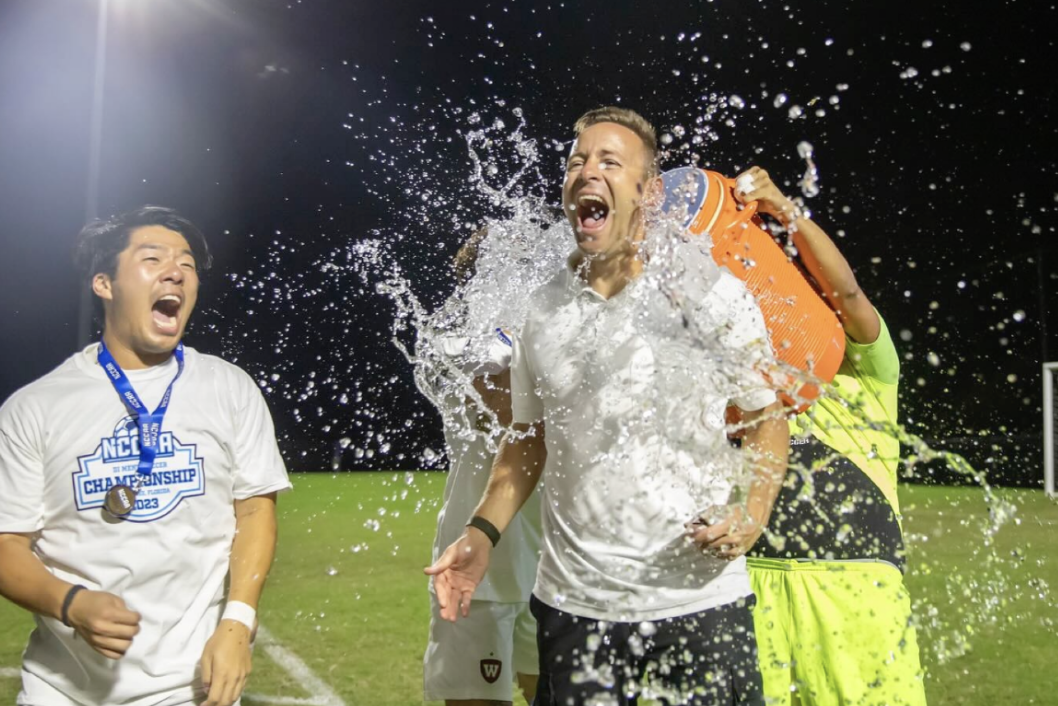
(74, 590)
(487, 527)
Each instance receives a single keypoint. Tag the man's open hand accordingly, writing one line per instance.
(459, 571)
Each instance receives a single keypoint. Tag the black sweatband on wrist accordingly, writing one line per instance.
(487, 527)
(74, 590)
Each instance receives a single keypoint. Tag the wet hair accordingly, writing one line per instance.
(100, 242)
(628, 118)
(466, 259)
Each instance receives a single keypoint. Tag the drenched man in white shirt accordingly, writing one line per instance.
(619, 383)
(140, 540)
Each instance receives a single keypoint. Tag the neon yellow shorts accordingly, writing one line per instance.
(835, 634)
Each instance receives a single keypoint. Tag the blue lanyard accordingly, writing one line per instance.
(150, 423)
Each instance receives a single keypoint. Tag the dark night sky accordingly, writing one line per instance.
(289, 131)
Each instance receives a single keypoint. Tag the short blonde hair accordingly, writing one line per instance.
(628, 118)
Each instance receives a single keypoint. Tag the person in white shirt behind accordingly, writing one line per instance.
(139, 481)
(476, 661)
(642, 585)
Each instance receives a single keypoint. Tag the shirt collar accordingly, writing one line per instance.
(575, 284)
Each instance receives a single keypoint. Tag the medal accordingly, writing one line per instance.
(120, 500)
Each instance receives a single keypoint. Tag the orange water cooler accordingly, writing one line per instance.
(805, 333)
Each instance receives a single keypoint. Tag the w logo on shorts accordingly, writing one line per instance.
(490, 670)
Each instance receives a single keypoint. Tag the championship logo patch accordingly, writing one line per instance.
(490, 670)
(177, 473)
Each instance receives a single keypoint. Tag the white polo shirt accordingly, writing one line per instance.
(632, 393)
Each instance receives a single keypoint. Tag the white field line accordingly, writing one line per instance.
(283, 700)
(322, 694)
(10, 672)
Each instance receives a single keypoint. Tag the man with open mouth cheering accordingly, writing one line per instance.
(139, 482)
(636, 593)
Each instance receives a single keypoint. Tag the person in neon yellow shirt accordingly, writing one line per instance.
(833, 617)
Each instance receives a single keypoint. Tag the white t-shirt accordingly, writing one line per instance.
(617, 487)
(67, 437)
(512, 568)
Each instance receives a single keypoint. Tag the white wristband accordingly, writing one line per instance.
(241, 613)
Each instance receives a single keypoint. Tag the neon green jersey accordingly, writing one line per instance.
(857, 415)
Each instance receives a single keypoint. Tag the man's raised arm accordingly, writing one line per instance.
(820, 256)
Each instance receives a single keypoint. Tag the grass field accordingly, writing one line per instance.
(347, 598)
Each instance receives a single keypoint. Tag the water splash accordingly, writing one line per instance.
(810, 181)
(531, 242)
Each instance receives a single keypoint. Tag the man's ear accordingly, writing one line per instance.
(654, 194)
(101, 286)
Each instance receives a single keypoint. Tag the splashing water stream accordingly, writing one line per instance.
(524, 250)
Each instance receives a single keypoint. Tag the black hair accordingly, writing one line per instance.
(100, 242)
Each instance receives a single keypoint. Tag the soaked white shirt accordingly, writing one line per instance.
(633, 411)
(64, 440)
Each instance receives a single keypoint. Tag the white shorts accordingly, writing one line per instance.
(477, 657)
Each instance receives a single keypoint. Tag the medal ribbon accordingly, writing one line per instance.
(150, 423)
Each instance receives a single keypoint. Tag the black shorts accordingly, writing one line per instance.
(705, 659)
